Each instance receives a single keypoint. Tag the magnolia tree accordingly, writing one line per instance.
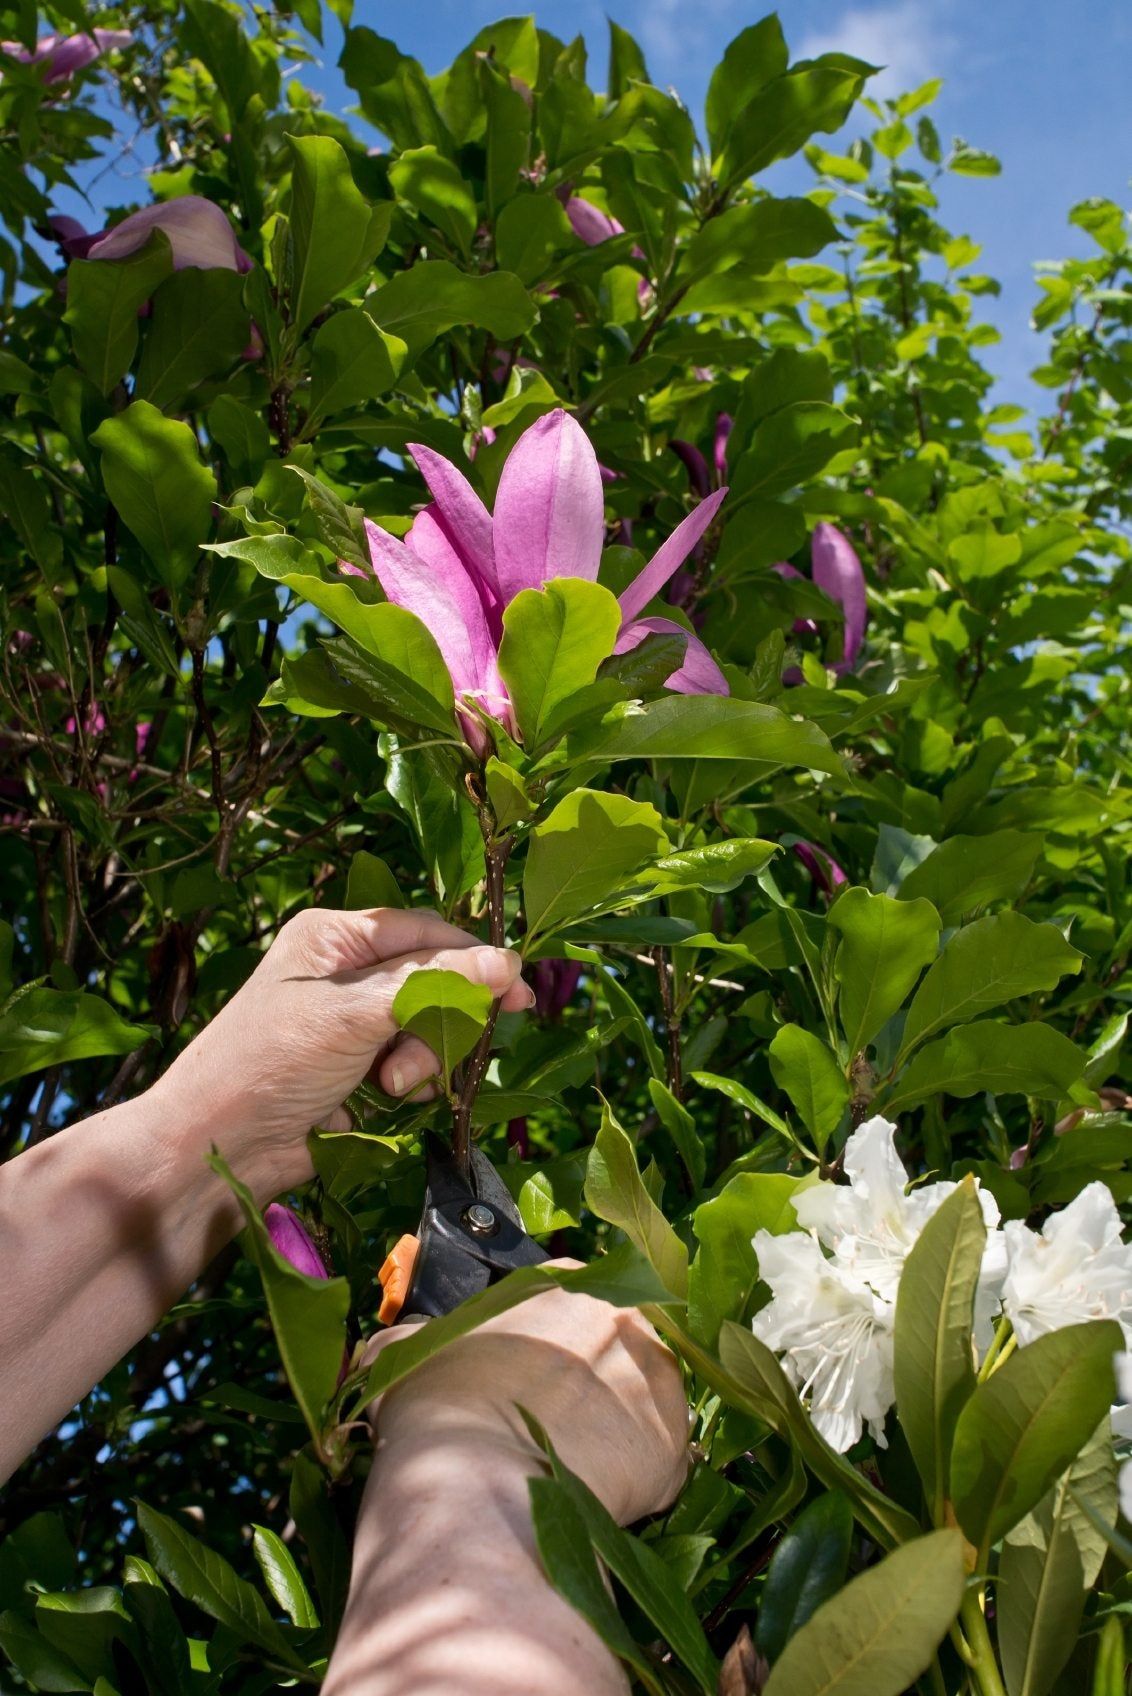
(504, 502)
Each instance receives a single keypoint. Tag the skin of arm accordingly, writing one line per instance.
(447, 1596)
(103, 1226)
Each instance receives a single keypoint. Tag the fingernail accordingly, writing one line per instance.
(405, 1075)
(498, 966)
(531, 996)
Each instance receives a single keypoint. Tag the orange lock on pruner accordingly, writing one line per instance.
(395, 1277)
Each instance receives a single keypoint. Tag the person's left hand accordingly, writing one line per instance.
(314, 1019)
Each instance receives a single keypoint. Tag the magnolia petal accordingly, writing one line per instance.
(446, 602)
(589, 223)
(62, 55)
(293, 1241)
(199, 235)
(460, 512)
(723, 424)
(821, 865)
(697, 673)
(838, 572)
(549, 512)
(670, 556)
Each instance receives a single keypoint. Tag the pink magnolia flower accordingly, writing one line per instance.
(293, 1241)
(838, 572)
(827, 875)
(198, 231)
(61, 56)
(460, 566)
(589, 223)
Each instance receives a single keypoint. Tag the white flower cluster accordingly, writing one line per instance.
(830, 1319)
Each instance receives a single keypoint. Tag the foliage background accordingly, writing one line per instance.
(178, 779)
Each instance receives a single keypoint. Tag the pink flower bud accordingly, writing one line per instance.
(293, 1241)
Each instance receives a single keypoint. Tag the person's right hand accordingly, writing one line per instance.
(314, 1019)
(598, 1379)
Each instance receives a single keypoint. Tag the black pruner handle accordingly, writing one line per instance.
(471, 1235)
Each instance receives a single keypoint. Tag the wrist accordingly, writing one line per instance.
(191, 1114)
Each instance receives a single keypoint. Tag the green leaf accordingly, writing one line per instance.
(200, 327)
(318, 1525)
(622, 1277)
(283, 1578)
(626, 62)
(104, 297)
(757, 236)
(554, 639)
(717, 867)
(885, 945)
(807, 1567)
(1047, 1566)
(49, 1027)
(615, 1191)
(430, 297)
(446, 1011)
(876, 1637)
(790, 447)
(432, 184)
(784, 114)
(807, 1071)
(725, 1271)
(934, 1363)
(308, 1314)
(531, 232)
(508, 139)
(152, 469)
(241, 434)
(705, 727)
(1029, 1059)
(26, 505)
(755, 57)
(566, 1552)
(985, 964)
(511, 801)
(645, 1576)
(681, 1127)
(370, 883)
(586, 850)
(352, 362)
(968, 872)
(207, 1580)
(1028, 1422)
(335, 233)
(44, 1667)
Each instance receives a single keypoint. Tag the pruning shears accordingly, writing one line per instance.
(470, 1236)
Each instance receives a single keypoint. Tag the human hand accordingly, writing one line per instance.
(598, 1379)
(314, 1019)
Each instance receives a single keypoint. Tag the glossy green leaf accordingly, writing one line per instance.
(335, 233)
(790, 447)
(431, 183)
(755, 57)
(103, 301)
(705, 727)
(446, 1011)
(49, 1027)
(352, 362)
(370, 883)
(967, 873)
(615, 1191)
(208, 1581)
(200, 327)
(885, 945)
(984, 965)
(283, 1577)
(419, 304)
(933, 1353)
(554, 639)
(807, 1072)
(1025, 1425)
(1029, 1059)
(876, 1637)
(588, 848)
(153, 473)
(1048, 1564)
(807, 1567)
(788, 110)
(725, 1270)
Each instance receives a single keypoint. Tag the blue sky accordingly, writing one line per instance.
(1042, 83)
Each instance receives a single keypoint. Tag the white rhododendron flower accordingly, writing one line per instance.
(832, 1314)
(1122, 1427)
(834, 1334)
(1076, 1268)
(872, 1224)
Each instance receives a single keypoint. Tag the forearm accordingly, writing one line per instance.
(101, 1229)
(447, 1596)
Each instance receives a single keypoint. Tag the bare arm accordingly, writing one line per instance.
(103, 1226)
(448, 1597)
